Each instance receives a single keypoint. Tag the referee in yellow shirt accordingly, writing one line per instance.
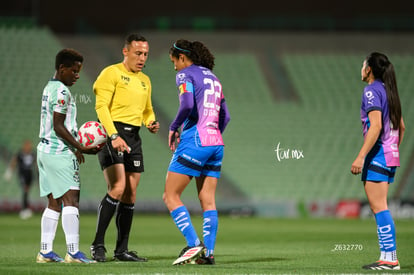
(123, 105)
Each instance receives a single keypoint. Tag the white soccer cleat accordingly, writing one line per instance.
(26, 214)
(189, 254)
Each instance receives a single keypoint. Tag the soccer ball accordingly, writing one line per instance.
(92, 133)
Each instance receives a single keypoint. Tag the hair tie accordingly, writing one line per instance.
(181, 49)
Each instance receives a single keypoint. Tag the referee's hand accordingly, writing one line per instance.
(120, 145)
(153, 127)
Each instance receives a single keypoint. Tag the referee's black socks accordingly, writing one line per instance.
(106, 210)
(123, 223)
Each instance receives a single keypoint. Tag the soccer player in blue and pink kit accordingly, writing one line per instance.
(203, 116)
(378, 159)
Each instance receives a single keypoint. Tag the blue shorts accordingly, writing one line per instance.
(375, 168)
(192, 160)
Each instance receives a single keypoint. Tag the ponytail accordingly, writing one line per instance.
(383, 69)
(204, 57)
(392, 95)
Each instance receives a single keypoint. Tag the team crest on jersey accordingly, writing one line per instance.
(143, 85)
(76, 177)
(125, 79)
(181, 76)
(61, 102)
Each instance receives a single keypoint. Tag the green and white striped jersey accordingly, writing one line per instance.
(56, 98)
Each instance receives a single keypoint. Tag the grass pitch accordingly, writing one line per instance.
(244, 246)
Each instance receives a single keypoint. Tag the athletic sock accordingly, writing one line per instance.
(210, 226)
(25, 203)
(390, 256)
(48, 225)
(386, 236)
(70, 224)
(106, 211)
(182, 220)
(382, 252)
(123, 223)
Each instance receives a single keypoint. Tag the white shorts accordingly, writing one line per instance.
(57, 174)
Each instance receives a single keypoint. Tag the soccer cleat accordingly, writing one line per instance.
(209, 260)
(189, 254)
(98, 252)
(129, 256)
(383, 265)
(26, 214)
(78, 257)
(50, 257)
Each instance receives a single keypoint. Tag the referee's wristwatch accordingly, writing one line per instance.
(114, 136)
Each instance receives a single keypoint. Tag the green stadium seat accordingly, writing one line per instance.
(323, 123)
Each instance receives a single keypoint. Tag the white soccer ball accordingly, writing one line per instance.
(92, 133)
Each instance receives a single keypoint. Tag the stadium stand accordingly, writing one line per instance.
(27, 64)
(276, 150)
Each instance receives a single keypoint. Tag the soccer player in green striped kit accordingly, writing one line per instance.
(58, 157)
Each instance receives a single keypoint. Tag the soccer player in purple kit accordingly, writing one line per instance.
(378, 158)
(203, 115)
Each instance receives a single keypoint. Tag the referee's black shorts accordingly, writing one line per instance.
(133, 161)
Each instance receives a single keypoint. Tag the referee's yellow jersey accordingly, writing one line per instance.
(123, 96)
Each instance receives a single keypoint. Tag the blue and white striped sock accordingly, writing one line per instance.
(386, 236)
(210, 226)
(182, 220)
